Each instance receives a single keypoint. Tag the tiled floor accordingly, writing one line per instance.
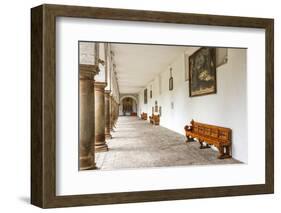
(138, 144)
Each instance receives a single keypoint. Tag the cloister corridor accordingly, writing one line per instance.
(136, 143)
(139, 102)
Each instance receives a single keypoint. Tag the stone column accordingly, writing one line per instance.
(111, 113)
(86, 116)
(100, 143)
(116, 113)
(107, 114)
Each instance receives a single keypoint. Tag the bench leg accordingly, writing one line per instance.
(202, 146)
(224, 152)
(227, 150)
(189, 139)
(205, 146)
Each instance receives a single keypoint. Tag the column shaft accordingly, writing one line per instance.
(100, 143)
(86, 117)
(111, 113)
(107, 114)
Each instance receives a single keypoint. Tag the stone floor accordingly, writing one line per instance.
(138, 144)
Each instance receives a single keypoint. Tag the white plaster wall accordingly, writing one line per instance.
(225, 108)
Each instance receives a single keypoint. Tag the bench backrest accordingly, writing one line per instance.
(211, 131)
(156, 117)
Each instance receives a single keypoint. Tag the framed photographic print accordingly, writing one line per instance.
(89, 88)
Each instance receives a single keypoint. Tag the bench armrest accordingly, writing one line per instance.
(188, 128)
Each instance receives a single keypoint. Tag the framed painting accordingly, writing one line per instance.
(171, 80)
(202, 72)
(81, 71)
(221, 59)
(145, 96)
(171, 83)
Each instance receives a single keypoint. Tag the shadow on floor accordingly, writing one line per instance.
(24, 199)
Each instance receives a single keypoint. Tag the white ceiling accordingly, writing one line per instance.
(137, 65)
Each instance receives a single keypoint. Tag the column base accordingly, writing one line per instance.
(93, 167)
(86, 163)
(100, 143)
(108, 136)
(101, 148)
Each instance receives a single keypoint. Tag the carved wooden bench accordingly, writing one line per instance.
(144, 116)
(133, 114)
(220, 137)
(154, 119)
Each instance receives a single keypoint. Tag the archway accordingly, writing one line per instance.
(128, 106)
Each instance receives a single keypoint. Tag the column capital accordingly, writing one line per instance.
(88, 71)
(107, 92)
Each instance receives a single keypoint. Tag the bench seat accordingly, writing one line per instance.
(220, 137)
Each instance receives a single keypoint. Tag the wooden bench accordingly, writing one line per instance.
(133, 114)
(220, 137)
(154, 119)
(144, 116)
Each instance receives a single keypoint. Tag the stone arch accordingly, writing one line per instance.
(135, 99)
(129, 96)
